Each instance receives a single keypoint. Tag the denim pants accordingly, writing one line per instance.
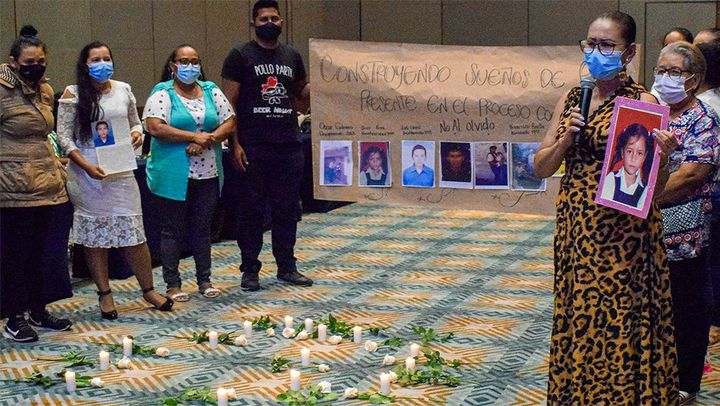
(272, 181)
(190, 221)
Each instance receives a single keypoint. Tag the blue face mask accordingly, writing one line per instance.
(101, 71)
(188, 74)
(604, 67)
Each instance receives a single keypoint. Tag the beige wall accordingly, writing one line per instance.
(142, 33)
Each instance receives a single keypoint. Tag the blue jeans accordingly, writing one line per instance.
(191, 218)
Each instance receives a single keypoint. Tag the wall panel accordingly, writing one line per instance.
(412, 21)
(492, 22)
(564, 22)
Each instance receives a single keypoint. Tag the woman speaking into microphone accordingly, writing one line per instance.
(612, 337)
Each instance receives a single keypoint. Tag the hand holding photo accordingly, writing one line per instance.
(632, 157)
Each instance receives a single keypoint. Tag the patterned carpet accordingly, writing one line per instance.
(486, 277)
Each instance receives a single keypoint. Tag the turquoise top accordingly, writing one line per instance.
(168, 165)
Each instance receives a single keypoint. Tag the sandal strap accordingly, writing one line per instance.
(105, 293)
(150, 289)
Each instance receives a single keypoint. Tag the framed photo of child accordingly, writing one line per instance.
(632, 158)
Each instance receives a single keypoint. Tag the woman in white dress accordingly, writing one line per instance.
(107, 207)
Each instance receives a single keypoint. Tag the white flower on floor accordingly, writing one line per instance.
(323, 368)
(371, 346)
(162, 352)
(241, 340)
(270, 332)
(303, 335)
(288, 332)
(124, 363)
(393, 377)
(335, 340)
(350, 393)
(97, 382)
(325, 387)
(389, 360)
(231, 394)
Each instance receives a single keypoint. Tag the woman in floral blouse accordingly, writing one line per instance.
(686, 204)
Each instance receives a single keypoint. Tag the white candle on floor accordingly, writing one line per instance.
(357, 334)
(70, 381)
(410, 363)
(414, 350)
(288, 322)
(127, 346)
(294, 379)
(247, 325)
(309, 325)
(104, 360)
(213, 336)
(322, 332)
(385, 383)
(305, 356)
(222, 397)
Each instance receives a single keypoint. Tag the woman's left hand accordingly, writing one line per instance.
(137, 139)
(194, 149)
(666, 141)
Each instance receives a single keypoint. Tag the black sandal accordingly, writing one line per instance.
(111, 315)
(167, 306)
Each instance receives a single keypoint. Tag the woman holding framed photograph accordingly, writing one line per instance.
(107, 207)
(612, 338)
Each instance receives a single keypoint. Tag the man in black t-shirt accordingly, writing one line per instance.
(264, 80)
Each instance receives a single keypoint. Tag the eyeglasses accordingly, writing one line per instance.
(606, 48)
(188, 61)
(675, 74)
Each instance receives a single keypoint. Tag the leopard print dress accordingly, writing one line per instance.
(612, 338)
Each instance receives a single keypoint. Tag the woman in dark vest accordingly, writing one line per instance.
(188, 120)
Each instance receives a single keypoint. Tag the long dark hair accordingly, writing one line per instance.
(166, 73)
(637, 130)
(88, 107)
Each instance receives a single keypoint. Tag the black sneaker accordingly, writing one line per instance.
(18, 329)
(250, 280)
(687, 398)
(294, 277)
(46, 320)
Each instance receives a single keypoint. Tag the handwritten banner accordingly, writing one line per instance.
(387, 93)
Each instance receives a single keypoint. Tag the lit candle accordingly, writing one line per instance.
(305, 356)
(295, 379)
(213, 336)
(322, 332)
(70, 381)
(288, 322)
(222, 397)
(247, 325)
(127, 346)
(410, 364)
(385, 383)
(414, 350)
(309, 325)
(104, 360)
(357, 334)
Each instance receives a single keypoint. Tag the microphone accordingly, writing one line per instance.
(587, 84)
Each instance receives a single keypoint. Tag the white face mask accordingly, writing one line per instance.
(671, 91)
